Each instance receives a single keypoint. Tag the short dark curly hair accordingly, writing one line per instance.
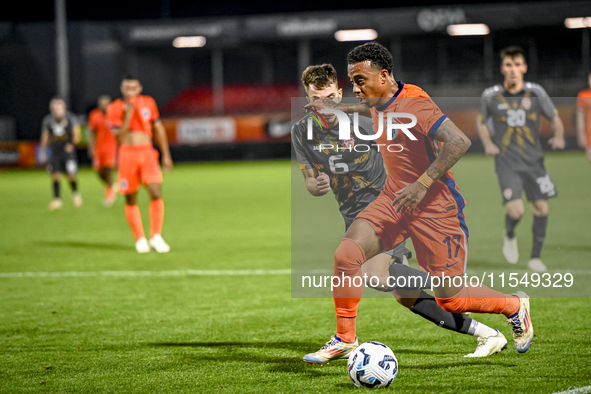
(376, 53)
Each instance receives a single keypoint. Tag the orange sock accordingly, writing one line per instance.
(109, 192)
(480, 300)
(134, 218)
(512, 306)
(346, 328)
(348, 259)
(156, 216)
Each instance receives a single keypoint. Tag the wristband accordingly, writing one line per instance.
(425, 180)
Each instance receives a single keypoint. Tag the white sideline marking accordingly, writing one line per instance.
(74, 274)
(576, 390)
(65, 274)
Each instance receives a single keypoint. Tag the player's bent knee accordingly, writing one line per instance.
(130, 199)
(348, 257)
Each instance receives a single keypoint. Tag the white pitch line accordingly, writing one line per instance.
(78, 274)
(67, 274)
(576, 390)
(523, 271)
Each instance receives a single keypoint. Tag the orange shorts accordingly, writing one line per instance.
(138, 164)
(104, 158)
(441, 244)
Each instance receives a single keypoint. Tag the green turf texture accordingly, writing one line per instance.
(246, 334)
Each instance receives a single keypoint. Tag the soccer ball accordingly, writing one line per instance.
(372, 365)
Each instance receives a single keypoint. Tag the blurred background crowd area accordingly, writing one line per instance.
(224, 82)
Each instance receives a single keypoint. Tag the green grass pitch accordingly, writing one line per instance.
(63, 331)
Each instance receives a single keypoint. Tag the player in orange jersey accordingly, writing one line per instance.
(584, 119)
(420, 200)
(102, 146)
(132, 119)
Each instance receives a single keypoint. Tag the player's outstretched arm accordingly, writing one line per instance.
(490, 148)
(44, 142)
(581, 137)
(455, 144)
(328, 103)
(91, 143)
(316, 185)
(557, 141)
(76, 132)
(160, 139)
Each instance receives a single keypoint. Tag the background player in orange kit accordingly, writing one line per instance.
(420, 200)
(102, 146)
(584, 119)
(132, 119)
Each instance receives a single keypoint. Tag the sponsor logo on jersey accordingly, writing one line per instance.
(318, 118)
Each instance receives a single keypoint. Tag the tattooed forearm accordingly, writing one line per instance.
(455, 144)
(346, 107)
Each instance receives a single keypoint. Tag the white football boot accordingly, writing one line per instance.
(489, 345)
(141, 245)
(510, 250)
(56, 203)
(77, 199)
(536, 264)
(334, 349)
(520, 322)
(158, 243)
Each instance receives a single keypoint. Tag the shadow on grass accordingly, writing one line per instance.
(231, 352)
(459, 364)
(562, 248)
(297, 346)
(84, 245)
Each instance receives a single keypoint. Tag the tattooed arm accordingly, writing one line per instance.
(319, 104)
(455, 144)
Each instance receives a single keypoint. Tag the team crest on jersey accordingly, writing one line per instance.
(526, 103)
(349, 143)
(146, 113)
(59, 130)
(123, 184)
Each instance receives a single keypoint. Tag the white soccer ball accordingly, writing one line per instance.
(372, 365)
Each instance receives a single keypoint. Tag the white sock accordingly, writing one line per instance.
(482, 330)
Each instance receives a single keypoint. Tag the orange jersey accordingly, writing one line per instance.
(584, 104)
(443, 198)
(145, 114)
(104, 138)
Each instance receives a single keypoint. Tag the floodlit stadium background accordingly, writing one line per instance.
(239, 71)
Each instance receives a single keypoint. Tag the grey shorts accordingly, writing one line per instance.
(399, 251)
(535, 181)
(62, 161)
